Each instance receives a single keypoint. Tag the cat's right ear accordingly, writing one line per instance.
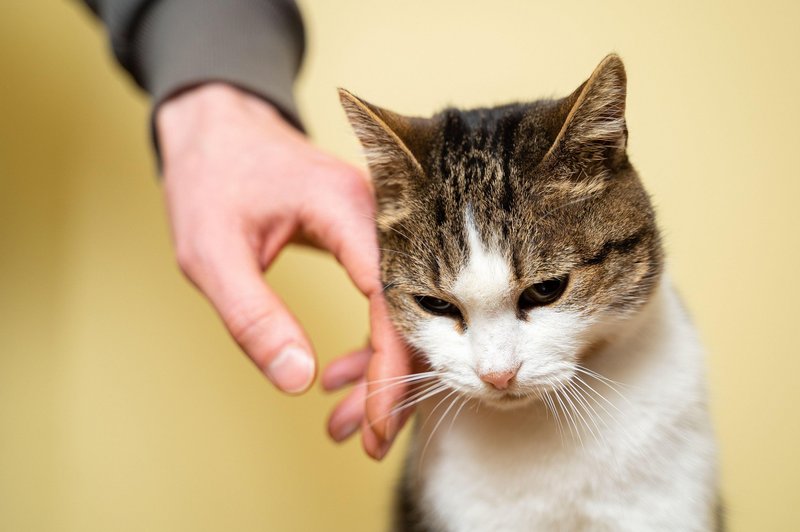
(388, 139)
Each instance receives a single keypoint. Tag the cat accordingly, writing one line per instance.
(564, 387)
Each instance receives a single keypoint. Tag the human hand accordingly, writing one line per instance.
(240, 184)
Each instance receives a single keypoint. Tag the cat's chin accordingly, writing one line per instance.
(508, 401)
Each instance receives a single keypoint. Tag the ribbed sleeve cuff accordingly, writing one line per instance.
(256, 45)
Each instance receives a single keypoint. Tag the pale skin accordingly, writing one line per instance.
(240, 184)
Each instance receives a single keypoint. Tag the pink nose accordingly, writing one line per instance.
(499, 379)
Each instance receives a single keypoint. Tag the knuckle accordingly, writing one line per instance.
(246, 323)
(195, 252)
(186, 257)
(353, 182)
(189, 256)
(342, 177)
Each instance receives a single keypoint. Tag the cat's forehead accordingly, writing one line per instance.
(486, 275)
(484, 144)
(485, 159)
(481, 179)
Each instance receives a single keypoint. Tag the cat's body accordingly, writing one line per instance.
(564, 387)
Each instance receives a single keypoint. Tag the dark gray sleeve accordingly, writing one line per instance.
(171, 45)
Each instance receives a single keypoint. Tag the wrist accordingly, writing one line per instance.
(206, 108)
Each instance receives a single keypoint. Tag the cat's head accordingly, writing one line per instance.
(514, 239)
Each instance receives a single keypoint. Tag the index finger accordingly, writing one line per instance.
(342, 222)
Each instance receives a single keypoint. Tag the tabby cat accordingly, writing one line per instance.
(563, 385)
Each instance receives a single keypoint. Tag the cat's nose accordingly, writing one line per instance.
(499, 379)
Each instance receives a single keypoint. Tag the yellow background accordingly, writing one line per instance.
(125, 407)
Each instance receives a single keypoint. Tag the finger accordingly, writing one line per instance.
(390, 359)
(227, 272)
(374, 446)
(346, 370)
(347, 229)
(348, 414)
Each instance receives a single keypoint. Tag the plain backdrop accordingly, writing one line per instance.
(124, 406)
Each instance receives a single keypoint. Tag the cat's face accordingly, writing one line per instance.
(513, 239)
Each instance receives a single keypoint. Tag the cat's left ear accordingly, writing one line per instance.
(594, 131)
(394, 146)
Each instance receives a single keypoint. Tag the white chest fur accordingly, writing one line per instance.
(641, 458)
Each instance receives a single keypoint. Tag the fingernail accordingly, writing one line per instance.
(292, 370)
(346, 431)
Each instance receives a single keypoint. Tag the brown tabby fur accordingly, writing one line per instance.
(548, 183)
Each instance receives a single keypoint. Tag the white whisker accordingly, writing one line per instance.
(571, 423)
(551, 407)
(464, 401)
(568, 395)
(438, 423)
(611, 384)
(435, 408)
(591, 413)
(392, 382)
(428, 390)
(579, 380)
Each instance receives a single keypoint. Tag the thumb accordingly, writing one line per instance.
(228, 274)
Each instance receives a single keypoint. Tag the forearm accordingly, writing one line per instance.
(171, 45)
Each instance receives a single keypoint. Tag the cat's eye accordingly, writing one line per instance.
(437, 306)
(542, 293)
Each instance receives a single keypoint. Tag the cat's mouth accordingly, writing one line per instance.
(511, 397)
(507, 400)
